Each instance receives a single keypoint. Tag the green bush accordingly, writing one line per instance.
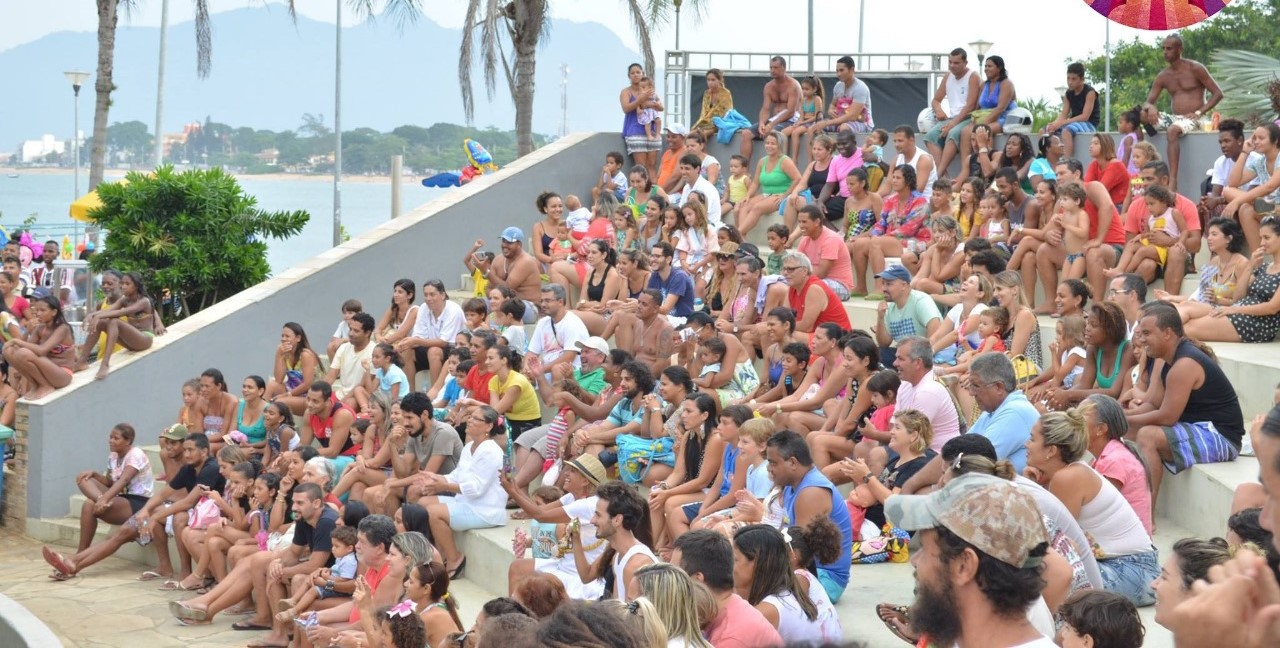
(194, 234)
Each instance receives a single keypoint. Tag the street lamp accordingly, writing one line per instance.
(1061, 90)
(914, 65)
(77, 79)
(981, 47)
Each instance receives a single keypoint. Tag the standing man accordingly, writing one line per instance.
(1181, 249)
(1187, 82)
(435, 328)
(806, 495)
(904, 142)
(960, 88)
(517, 270)
(555, 338)
(979, 564)
(826, 251)
(1191, 414)
(781, 107)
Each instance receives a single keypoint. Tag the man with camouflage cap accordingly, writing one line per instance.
(978, 552)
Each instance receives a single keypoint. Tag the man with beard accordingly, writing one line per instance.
(674, 283)
(419, 445)
(807, 494)
(621, 519)
(978, 554)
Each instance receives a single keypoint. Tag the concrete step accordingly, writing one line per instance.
(1199, 500)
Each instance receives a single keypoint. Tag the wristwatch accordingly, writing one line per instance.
(328, 585)
(735, 329)
(867, 478)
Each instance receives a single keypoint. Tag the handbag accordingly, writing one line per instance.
(204, 514)
(1024, 370)
(636, 454)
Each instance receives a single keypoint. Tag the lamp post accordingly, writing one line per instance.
(77, 79)
(678, 3)
(337, 129)
(981, 47)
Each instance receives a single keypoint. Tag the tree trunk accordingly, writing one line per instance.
(526, 62)
(107, 18)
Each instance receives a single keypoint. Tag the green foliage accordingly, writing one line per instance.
(1249, 85)
(195, 234)
(130, 141)
(1243, 24)
(1042, 112)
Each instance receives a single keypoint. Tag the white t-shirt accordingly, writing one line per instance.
(350, 368)
(517, 338)
(343, 331)
(953, 316)
(550, 340)
(712, 201)
(445, 327)
(578, 220)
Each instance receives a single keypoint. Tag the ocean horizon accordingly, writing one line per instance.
(366, 203)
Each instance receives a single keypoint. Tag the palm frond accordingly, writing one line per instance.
(489, 36)
(465, 59)
(1245, 78)
(204, 40)
(640, 19)
(402, 12)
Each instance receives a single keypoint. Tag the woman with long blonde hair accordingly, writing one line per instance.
(682, 604)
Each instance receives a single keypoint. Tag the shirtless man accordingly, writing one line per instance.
(655, 333)
(781, 105)
(1187, 82)
(517, 270)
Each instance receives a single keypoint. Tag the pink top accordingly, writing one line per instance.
(741, 626)
(829, 246)
(839, 170)
(1123, 467)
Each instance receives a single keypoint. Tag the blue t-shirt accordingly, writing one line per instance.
(679, 283)
(730, 464)
(758, 482)
(393, 375)
(1008, 428)
(623, 413)
(344, 568)
(452, 390)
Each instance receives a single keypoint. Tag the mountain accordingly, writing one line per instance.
(267, 72)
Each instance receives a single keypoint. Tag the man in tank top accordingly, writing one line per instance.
(619, 514)
(904, 142)
(960, 89)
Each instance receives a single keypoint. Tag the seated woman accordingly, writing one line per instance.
(264, 529)
(296, 365)
(716, 102)
(823, 385)
(576, 508)
(219, 408)
(573, 273)
(1126, 556)
(1191, 561)
(510, 392)
(1220, 275)
(128, 321)
(861, 213)
(1071, 298)
(45, 358)
(1255, 316)
(115, 495)
(1016, 153)
(730, 478)
(699, 453)
(1261, 167)
(1022, 337)
(909, 440)
(996, 98)
(1109, 357)
(849, 423)
(961, 321)
(249, 415)
(900, 232)
(604, 284)
(775, 177)
(722, 290)
(478, 502)
(1031, 256)
(723, 365)
(1042, 168)
(372, 467)
(811, 181)
(401, 310)
(940, 264)
(1116, 458)
(791, 599)
(281, 435)
(226, 509)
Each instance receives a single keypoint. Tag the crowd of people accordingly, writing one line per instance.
(715, 446)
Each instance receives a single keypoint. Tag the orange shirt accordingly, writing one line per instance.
(373, 577)
(668, 167)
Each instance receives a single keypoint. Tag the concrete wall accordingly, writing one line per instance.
(21, 629)
(66, 432)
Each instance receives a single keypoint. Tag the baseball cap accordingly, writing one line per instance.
(748, 249)
(596, 343)
(175, 432)
(513, 235)
(990, 513)
(897, 272)
(591, 468)
(677, 129)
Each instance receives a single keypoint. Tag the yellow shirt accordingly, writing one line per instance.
(482, 284)
(526, 407)
(738, 188)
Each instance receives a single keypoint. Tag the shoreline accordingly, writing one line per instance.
(409, 179)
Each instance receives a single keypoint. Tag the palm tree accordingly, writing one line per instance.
(401, 11)
(524, 23)
(1250, 85)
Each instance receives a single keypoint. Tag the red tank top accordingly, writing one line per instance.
(323, 428)
(834, 312)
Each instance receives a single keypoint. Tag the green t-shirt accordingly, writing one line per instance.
(912, 319)
(592, 382)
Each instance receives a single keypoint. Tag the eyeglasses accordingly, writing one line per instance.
(788, 269)
(1114, 291)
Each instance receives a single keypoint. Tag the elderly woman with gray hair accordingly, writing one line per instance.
(1116, 458)
(323, 473)
(810, 297)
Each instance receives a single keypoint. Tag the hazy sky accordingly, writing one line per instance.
(1034, 44)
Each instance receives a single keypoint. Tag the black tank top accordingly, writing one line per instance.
(595, 292)
(818, 180)
(1216, 399)
(1076, 102)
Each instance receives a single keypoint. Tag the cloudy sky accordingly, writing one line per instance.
(1034, 44)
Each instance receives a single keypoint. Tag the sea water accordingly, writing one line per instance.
(365, 205)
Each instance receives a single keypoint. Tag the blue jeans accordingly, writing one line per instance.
(1130, 576)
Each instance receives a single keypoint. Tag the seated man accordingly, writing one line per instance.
(627, 417)
(904, 142)
(328, 422)
(347, 366)
(690, 171)
(1181, 249)
(811, 298)
(780, 108)
(675, 285)
(646, 333)
(920, 390)
(826, 251)
(1080, 110)
(435, 328)
(1191, 413)
(905, 312)
(1231, 142)
(419, 445)
(961, 89)
(835, 192)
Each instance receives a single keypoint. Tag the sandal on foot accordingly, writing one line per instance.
(56, 560)
(151, 575)
(900, 613)
(457, 571)
(181, 612)
(177, 586)
(247, 626)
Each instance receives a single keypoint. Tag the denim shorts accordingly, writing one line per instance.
(1130, 576)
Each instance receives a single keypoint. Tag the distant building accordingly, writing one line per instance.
(269, 157)
(33, 151)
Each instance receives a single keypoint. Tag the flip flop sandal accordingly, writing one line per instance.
(150, 575)
(60, 577)
(888, 613)
(189, 622)
(55, 560)
(184, 613)
(245, 626)
(176, 586)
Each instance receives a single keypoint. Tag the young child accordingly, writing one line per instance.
(671, 228)
(991, 324)
(1100, 619)
(711, 352)
(349, 310)
(577, 216)
(1143, 152)
(542, 537)
(451, 408)
(698, 243)
(1068, 354)
(812, 108)
(787, 376)
(561, 422)
(1074, 221)
(995, 225)
(475, 311)
(477, 262)
(883, 386)
(562, 247)
(873, 148)
(736, 186)
(439, 390)
(752, 437)
(612, 179)
(383, 375)
(1162, 218)
(967, 207)
(325, 581)
(776, 238)
(510, 316)
(1130, 135)
(728, 233)
(646, 114)
(626, 230)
